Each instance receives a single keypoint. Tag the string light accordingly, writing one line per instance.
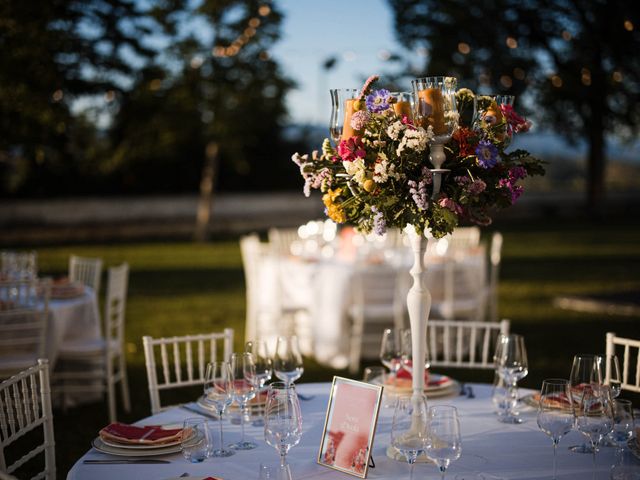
(241, 40)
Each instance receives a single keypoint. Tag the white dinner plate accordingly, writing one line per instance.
(138, 446)
(125, 451)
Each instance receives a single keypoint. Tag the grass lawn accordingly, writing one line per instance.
(178, 288)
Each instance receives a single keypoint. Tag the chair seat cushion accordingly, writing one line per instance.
(97, 346)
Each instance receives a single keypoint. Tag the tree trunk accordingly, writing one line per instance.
(205, 202)
(595, 134)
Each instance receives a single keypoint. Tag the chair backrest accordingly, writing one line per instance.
(630, 369)
(25, 405)
(86, 270)
(463, 344)
(24, 335)
(281, 240)
(177, 362)
(16, 294)
(116, 303)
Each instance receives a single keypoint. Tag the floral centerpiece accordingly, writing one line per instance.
(381, 176)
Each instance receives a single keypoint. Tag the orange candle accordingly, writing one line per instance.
(432, 104)
(403, 108)
(347, 129)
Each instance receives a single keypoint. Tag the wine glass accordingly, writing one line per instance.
(555, 412)
(287, 363)
(409, 428)
(243, 372)
(623, 421)
(407, 352)
(444, 443)
(594, 416)
(264, 368)
(512, 366)
(391, 350)
(586, 370)
(218, 391)
(341, 111)
(282, 419)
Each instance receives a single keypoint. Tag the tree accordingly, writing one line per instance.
(576, 58)
(55, 51)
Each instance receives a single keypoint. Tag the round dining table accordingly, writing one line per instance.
(490, 450)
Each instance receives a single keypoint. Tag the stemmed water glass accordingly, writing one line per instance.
(282, 419)
(511, 365)
(586, 371)
(245, 386)
(409, 428)
(218, 391)
(264, 368)
(594, 416)
(391, 350)
(555, 412)
(287, 363)
(444, 443)
(612, 378)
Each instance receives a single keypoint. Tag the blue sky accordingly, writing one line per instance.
(356, 31)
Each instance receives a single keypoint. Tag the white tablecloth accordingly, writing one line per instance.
(490, 450)
(324, 289)
(72, 319)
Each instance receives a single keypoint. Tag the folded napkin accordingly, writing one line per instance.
(134, 435)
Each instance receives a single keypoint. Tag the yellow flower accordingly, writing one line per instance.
(336, 213)
(330, 197)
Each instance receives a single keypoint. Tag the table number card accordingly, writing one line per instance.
(350, 426)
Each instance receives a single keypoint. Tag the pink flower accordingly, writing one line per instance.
(359, 119)
(367, 85)
(515, 122)
(351, 149)
(446, 202)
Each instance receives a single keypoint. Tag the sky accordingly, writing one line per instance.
(357, 32)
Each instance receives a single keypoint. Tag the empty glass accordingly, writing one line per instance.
(407, 352)
(444, 443)
(194, 440)
(586, 370)
(409, 428)
(623, 422)
(218, 392)
(512, 365)
(282, 419)
(594, 416)
(287, 363)
(243, 374)
(555, 412)
(264, 369)
(391, 350)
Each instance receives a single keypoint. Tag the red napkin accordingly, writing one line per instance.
(149, 434)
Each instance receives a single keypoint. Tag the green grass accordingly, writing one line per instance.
(179, 288)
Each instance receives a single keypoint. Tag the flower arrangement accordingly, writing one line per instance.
(382, 177)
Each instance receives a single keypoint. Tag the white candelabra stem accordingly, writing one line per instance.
(418, 305)
(437, 158)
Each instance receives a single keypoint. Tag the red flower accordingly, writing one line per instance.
(516, 123)
(461, 137)
(351, 149)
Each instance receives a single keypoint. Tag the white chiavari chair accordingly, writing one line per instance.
(87, 271)
(630, 350)
(179, 362)
(99, 365)
(25, 406)
(463, 344)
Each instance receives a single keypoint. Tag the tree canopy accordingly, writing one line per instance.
(122, 95)
(576, 59)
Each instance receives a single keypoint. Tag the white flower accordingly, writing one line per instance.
(415, 139)
(395, 129)
(357, 170)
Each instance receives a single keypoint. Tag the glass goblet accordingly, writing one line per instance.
(586, 370)
(218, 392)
(282, 419)
(555, 412)
(594, 416)
(341, 111)
(409, 428)
(287, 363)
(243, 373)
(264, 370)
(444, 443)
(391, 350)
(512, 365)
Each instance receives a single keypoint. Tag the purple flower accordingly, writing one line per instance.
(517, 173)
(378, 101)
(514, 190)
(487, 154)
(418, 191)
(477, 187)
(379, 223)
